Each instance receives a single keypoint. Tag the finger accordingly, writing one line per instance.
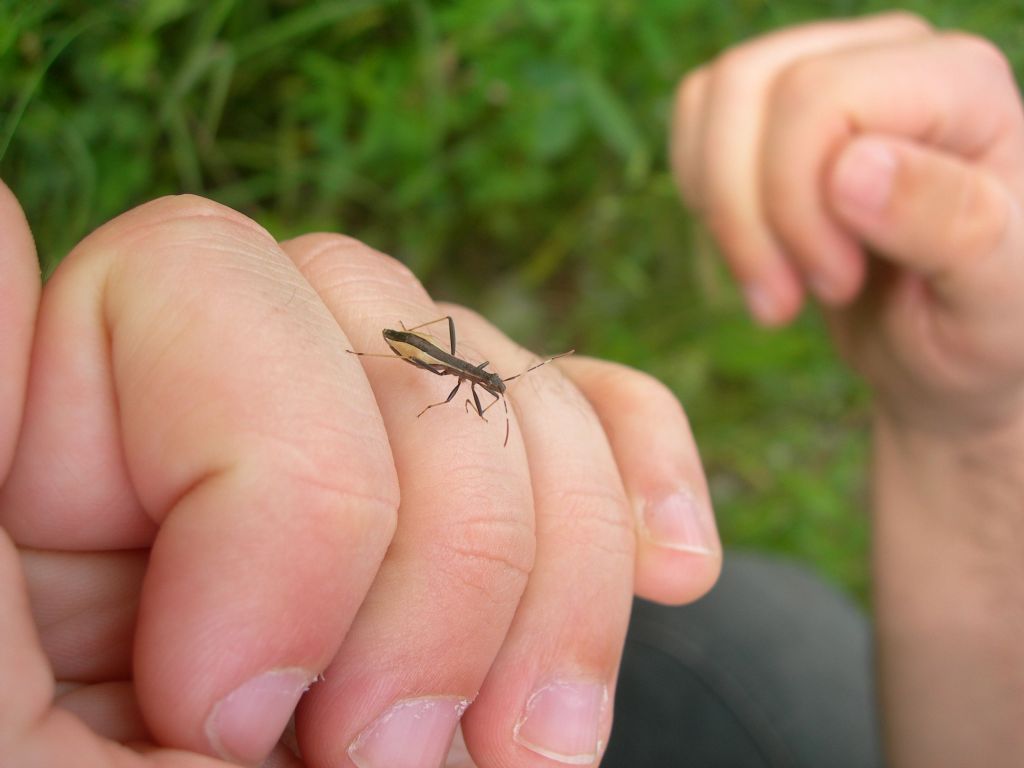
(943, 218)
(449, 587)
(110, 710)
(30, 732)
(730, 191)
(85, 605)
(211, 396)
(458, 755)
(19, 294)
(679, 554)
(820, 104)
(282, 757)
(23, 666)
(547, 696)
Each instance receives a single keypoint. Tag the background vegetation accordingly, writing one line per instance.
(510, 151)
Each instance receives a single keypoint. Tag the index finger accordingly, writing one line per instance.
(191, 391)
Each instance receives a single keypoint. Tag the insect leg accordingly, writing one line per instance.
(376, 354)
(476, 403)
(444, 402)
(451, 328)
(482, 410)
(504, 401)
(437, 370)
(496, 399)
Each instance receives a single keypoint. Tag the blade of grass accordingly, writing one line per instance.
(37, 77)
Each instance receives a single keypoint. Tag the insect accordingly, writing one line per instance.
(416, 349)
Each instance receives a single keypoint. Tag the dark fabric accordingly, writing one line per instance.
(771, 670)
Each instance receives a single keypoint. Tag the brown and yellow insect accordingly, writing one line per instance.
(416, 349)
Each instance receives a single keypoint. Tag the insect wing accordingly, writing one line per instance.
(408, 351)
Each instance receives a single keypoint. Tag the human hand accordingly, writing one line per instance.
(878, 164)
(205, 492)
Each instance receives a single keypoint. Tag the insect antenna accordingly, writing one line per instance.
(504, 401)
(538, 365)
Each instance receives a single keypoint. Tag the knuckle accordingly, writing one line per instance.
(592, 520)
(201, 212)
(619, 383)
(732, 70)
(906, 21)
(981, 218)
(489, 552)
(343, 246)
(687, 112)
(800, 84)
(328, 257)
(738, 75)
(178, 224)
(190, 241)
(333, 487)
(332, 244)
(688, 91)
(982, 52)
(464, 316)
(191, 205)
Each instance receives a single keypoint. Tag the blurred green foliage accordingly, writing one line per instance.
(510, 151)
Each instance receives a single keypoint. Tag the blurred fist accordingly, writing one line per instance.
(879, 165)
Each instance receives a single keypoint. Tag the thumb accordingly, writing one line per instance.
(32, 731)
(952, 222)
(24, 671)
(19, 294)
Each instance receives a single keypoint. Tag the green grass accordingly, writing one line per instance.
(510, 151)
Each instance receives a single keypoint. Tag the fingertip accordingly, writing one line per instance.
(678, 580)
(679, 554)
(822, 259)
(773, 299)
(836, 280)
(245, 725)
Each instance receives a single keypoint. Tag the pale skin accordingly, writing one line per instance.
(170, 450)
(878, 166)
(205, 489)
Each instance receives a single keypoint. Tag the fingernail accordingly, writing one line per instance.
(761, 303)
(864, 175)
(246, 724)
(680, 521)
(414, 733)
(562, 721)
